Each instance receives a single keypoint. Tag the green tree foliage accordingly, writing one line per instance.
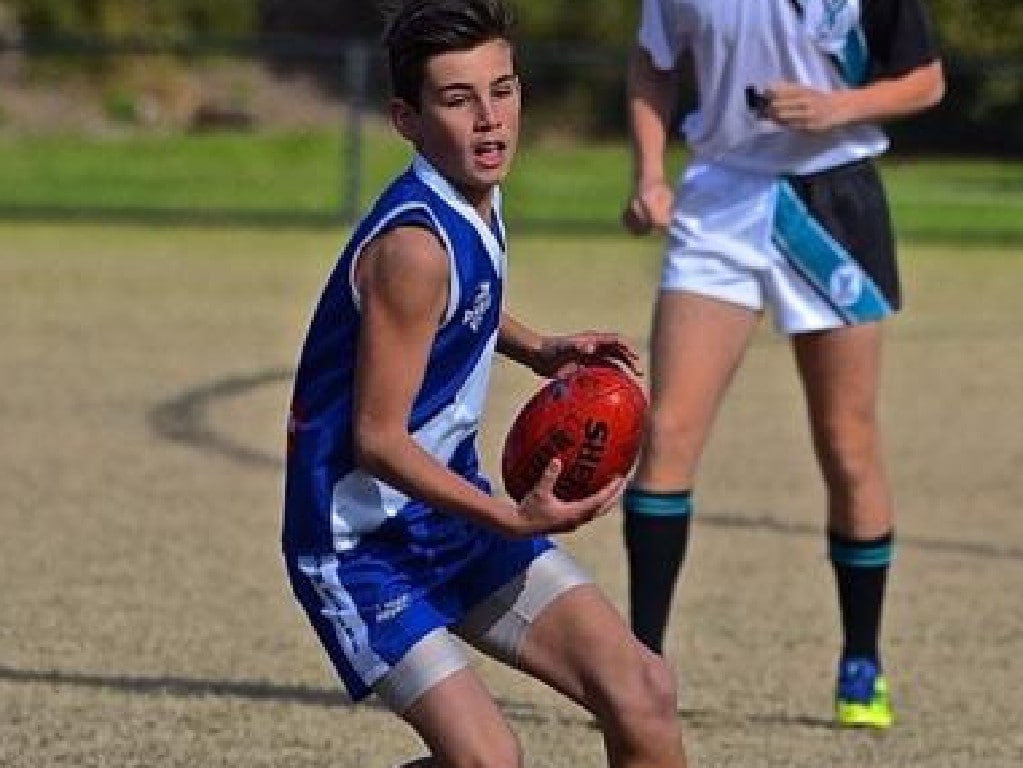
(605, 22)
(572, 50)
(980, 27)
(345, 19)
(982, 47)
(969, 27)
(120, 19)
(578, 21)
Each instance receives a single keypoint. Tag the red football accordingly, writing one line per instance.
(592, 420)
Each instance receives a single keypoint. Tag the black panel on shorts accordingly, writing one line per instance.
(850, 203)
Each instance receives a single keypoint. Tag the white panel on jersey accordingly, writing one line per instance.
(432, 178)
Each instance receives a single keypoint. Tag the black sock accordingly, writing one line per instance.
(656, 537)
(861, 574)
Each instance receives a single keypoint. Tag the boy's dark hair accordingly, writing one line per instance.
(420, 29)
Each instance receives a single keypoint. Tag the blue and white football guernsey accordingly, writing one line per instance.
(330, 504)
(376, 570)
(824, 44)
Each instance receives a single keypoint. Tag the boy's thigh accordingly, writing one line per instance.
(459, 720)
(581, 646)
(518, 579)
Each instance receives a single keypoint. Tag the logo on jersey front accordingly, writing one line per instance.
(832, 10)
(481, 302)
(845, 285)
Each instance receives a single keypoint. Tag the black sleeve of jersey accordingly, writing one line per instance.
(899, 36)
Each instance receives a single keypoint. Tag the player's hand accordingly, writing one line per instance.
(541, 512)
(560, 355)
(802, 108)
(649, 208)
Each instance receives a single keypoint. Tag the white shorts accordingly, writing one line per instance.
(815, 261)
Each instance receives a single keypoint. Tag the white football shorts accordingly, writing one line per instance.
(816, 251)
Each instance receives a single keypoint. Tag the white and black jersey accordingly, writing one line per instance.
(739, 48)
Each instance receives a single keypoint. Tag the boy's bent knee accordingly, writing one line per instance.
(642, 725)
(663, 692)
(645, 700)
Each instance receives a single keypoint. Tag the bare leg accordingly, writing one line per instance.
(462, 726)
(696, 346)
(840, 370)
(580, 646)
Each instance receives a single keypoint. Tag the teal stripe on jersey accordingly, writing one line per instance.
(861, 556)
(670, 504)
(824, 263)
(854, 61)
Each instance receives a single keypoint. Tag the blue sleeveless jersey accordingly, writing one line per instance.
(330, 504)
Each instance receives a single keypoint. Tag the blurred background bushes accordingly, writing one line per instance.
(571, 52)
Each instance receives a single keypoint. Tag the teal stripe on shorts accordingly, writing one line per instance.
(824, 263)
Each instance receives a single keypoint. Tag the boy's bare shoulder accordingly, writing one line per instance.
(406, 249)
(407, 264)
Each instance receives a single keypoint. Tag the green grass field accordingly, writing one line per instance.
(564, 185)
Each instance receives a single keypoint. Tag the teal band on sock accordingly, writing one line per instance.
(869, 554)
(661, 504)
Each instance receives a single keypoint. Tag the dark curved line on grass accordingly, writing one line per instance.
(773, 525)
(185, 419)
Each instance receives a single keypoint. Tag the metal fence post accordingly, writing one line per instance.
(357, 57)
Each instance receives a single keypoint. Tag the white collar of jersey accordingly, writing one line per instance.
(433, 179)
(829, 22)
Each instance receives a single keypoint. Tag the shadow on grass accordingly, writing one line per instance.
(312, 696)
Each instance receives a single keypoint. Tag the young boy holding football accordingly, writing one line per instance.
(393, 542)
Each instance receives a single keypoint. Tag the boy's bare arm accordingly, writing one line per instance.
(402, 280)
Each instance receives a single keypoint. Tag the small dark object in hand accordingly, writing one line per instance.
(757, 101)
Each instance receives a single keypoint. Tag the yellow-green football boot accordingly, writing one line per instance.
(861, 696)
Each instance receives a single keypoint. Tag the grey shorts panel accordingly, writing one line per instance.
(496, 625)
(437, 656)
(850, 203)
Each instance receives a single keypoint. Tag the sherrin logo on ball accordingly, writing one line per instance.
(591, 420)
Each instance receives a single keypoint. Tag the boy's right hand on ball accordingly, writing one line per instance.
(542, 512)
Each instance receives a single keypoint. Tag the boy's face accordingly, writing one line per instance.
(468, 122)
